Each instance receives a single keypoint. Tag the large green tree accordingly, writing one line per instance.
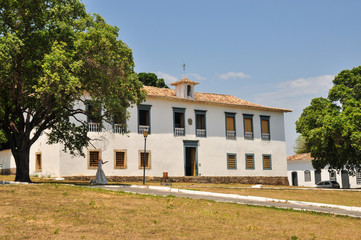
(332, 126)
(151, 79)
(52, 54)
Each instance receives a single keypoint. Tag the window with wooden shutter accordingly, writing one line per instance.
(248, 126)
(120, 160)
(230, 125)
(249, 161)
(265, 131)
(93, 157)
(38, 163)
(147, 159)
(267, 162)
(231, 161)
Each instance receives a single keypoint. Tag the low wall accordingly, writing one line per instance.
(199, 179)
(8, 171)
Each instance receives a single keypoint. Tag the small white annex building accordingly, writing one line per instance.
(301, 173)
(190, 134)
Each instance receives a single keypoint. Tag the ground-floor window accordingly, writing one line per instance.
(307, 176)
(249, 161)
(147, 159)
(267, 164)
(231, 161)
(38, 162)
(93, 157)
(120, 159)
(358, 177)
(332, 175)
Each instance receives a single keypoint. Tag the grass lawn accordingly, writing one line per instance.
(347, 198)
(57, 211)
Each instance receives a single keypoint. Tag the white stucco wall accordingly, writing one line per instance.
(167, 151)
(50, 155)
(6, 160)
(300, 166)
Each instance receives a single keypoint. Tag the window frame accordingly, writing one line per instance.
(235, 161)
(265, 118)
(203, 113)
(334, 178)
(270, 161)
(99, 157)
(140, 159)
(144, 107)
(307, 175)
(125, 166)
(248, 116)
(38, 167)
(233, 115)
(253, 161)
(358, 177)
(183, 111)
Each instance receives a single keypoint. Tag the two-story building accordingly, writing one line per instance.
(192, 135)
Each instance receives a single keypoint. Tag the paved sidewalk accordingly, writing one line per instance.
(239, 199)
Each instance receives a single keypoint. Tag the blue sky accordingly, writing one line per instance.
(275, 53)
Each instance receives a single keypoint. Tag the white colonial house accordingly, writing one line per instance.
(301, 173)
(192, 135)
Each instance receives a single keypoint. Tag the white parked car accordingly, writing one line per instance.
(328, 184)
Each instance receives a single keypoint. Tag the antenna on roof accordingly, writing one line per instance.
(184, 69)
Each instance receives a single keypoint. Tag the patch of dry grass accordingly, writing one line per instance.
(348, 198)
(56, 211)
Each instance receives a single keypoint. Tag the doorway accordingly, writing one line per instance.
(294, 179)
(345, 179)
(191, 161)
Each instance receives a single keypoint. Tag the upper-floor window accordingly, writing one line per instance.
(119, 123)
(200, 123)
(248, 126)
(144, 118)
(230, 125)
(178, 117)
(265, 128)
(93, 112)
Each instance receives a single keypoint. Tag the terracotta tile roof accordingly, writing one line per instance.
(209, 98)
(184, 80)
(302, 156)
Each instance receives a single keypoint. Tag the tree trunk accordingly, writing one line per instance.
(22, 164)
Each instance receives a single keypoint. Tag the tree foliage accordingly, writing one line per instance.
(151, 79)
(332, 126)
(52, 54)
(301, 145)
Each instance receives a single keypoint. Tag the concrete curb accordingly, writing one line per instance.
(253, 198)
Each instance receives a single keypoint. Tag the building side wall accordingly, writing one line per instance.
(7, 162)
(300, 166)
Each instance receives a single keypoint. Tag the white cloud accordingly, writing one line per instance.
(296, 92)
(231, 75)
(167, 77)
(196, 76)
(296, 95)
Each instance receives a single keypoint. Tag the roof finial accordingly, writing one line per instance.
(184, 69)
